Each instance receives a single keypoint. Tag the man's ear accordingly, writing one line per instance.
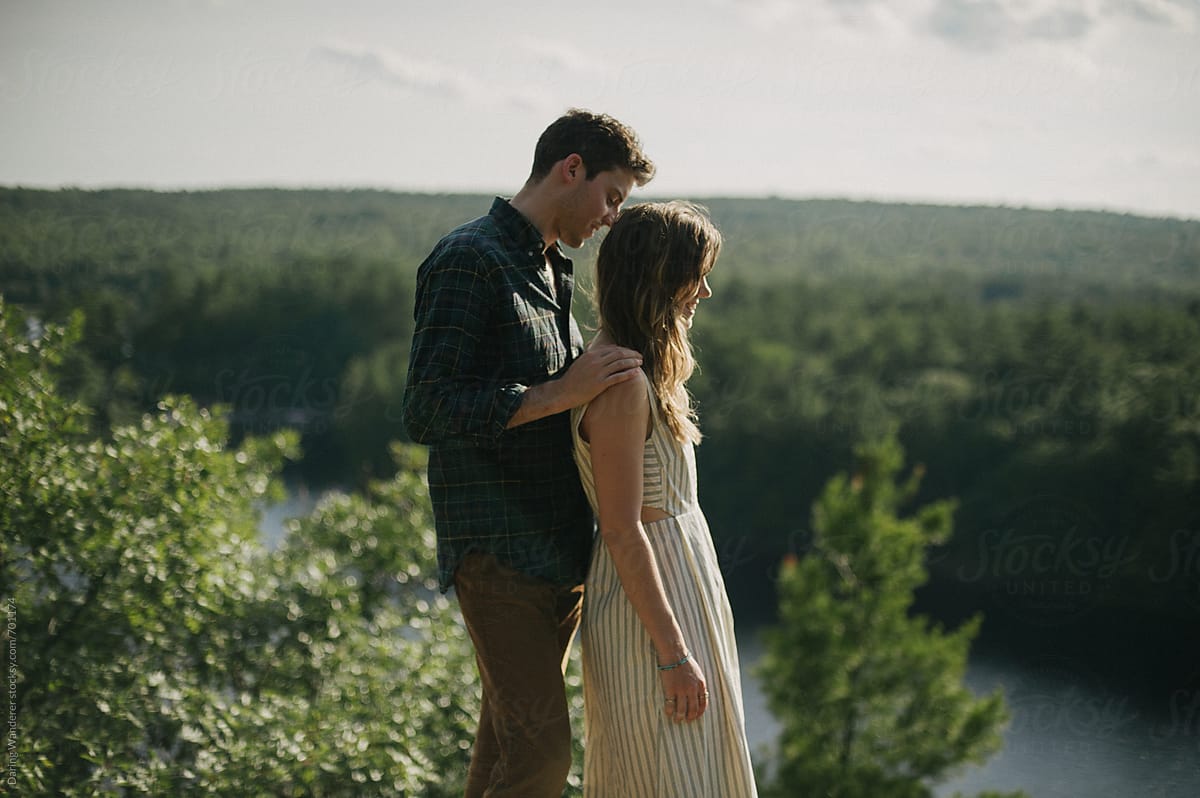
(573, 168)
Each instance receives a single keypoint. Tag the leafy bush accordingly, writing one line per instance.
(164, 650)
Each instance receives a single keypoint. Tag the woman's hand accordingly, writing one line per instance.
(685, 692)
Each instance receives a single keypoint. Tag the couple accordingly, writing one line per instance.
(530, 435)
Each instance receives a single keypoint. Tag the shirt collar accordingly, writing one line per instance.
(514, 225)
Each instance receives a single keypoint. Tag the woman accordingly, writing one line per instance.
(663, 699)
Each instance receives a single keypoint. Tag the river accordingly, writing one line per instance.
(1070, 736)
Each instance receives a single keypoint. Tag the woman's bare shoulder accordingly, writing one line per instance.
(619, 404)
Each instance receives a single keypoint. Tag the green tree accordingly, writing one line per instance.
(163, 650)
(871, 698)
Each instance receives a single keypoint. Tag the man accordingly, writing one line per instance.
(496, 361)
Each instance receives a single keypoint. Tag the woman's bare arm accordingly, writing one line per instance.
(615, 423)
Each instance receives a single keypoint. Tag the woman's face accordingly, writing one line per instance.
(687, 305)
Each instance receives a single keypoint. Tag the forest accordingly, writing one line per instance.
(1041, 369)
(1043, 366)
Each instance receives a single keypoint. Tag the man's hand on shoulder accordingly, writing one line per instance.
(593, 372)
(596, 370)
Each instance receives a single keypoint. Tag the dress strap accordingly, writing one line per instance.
(655, 416)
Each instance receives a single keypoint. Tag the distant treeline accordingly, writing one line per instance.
(1043, 366)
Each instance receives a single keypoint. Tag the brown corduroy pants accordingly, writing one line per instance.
(522, 628)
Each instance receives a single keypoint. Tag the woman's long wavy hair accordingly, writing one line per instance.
(653, 259)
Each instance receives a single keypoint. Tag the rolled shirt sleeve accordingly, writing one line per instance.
(449, 394)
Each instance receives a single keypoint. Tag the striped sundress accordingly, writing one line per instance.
(632, 750)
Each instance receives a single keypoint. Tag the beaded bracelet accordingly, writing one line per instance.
(675, 665)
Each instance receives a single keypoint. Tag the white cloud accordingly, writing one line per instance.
(1060, 23)
(987, 25)
(400, 70)
(1182, 14)
(562, 56)
(977, 25)
(428, 77)
(1081, 64)
(972, 25)
(1167, 161)
(764, 14)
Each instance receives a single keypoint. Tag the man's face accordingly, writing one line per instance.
(592, 204)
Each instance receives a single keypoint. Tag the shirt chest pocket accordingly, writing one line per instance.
(529, 340)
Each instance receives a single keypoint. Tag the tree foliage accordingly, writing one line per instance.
(871, 698)
(1088, 402)
(1022, 353)
(165, 651)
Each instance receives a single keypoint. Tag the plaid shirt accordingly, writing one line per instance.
(488, 325)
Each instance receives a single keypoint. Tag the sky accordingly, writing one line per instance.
(1034, 103)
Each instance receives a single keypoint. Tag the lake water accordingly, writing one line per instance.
(1070, 736)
